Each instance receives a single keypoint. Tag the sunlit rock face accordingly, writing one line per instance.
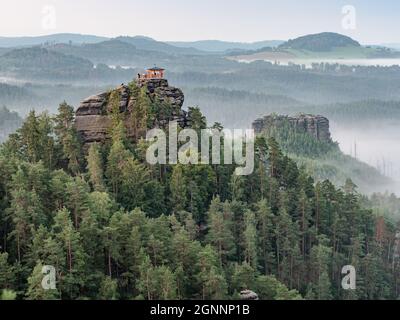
(93, 119)
(317, 126)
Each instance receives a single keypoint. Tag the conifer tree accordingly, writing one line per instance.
(68, 137)
(212, 281)
(30, 137)
(178, 187)
(319, 260)
(116, 159)
(250, 238)
(166, 283)
(134, 177)
(220, 234)
(77, 191)
(244, 277)
(108, 289)
(146, 281)
(140, 115)
(75, 257)
(265, 235)
(95, 168)
(197, 120)
(25, 213)
(6, 272)
(185, 256)
(35, 289)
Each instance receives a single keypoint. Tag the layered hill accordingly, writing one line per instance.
(326, 45)
(54, 63)
(320, 42)
(222, 46)
(42, 62)
(110, 52)
(146, 43)
(8, 42)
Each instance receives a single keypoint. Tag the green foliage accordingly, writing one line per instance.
(95, 168)
(325, 41)
(108, 289)
(35, 290)
(6, 272)
(250, 239)
(300, 143)
(8, 295)
(323, 159)
(113, 107)
(34, 140)
(141, 115)
(68, 137)
(121, 229)
(198, 121)
(269, 288)
(220, 234)
(38, 61)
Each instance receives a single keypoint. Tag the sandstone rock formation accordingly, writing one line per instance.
(161, 89)
(248, 295)
(317, 126)
(93, 120)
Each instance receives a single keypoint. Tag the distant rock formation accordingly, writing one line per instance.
(93, 120)
(317, 126)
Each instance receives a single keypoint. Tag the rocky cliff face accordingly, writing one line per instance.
(317, 126)
(159, 88)
(93, 120)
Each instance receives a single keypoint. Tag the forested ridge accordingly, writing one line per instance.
(324, 159)
(325, 41)
(115, 227)
(218, 84)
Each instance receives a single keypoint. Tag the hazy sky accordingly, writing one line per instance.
(377, 21)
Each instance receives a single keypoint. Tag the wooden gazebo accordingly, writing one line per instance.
(153, 73)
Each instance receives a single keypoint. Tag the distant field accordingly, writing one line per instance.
(268, 56)
(343, 55)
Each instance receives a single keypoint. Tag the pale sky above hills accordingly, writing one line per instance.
(234, 20)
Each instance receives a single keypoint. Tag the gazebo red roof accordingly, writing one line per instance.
(156, 69)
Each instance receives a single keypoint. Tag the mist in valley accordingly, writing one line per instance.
(87, 194)
(229, 92)
(375, 144)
